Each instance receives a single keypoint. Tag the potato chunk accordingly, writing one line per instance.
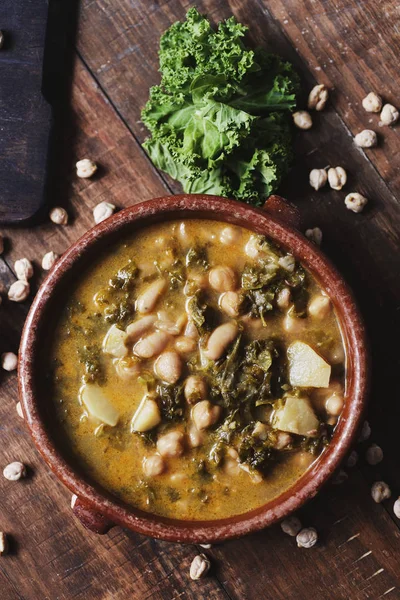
(306, 367)
(114, 342)
(98, 405)
(147, 415)
(296, 416)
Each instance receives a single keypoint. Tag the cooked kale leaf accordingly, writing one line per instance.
(171, 402)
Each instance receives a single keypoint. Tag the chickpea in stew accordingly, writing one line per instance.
(197, 370)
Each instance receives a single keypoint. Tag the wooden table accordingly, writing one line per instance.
(353, 47)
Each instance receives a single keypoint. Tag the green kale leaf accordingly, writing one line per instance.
(220, 119)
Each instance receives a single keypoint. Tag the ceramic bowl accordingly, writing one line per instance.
(96, 508)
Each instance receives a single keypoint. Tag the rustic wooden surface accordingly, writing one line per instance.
(353, 47)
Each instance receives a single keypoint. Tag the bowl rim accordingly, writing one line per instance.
(353, 330)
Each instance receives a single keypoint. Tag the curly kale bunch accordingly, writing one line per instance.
(220, 119)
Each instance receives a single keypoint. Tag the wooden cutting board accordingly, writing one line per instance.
(32, 79)
(352, 47)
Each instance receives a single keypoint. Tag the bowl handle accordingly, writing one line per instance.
(283, 210)
(91, 519)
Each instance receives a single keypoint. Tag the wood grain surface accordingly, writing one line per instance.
(353, 47)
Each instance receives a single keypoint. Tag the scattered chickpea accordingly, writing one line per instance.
(365, 432)
(85, 168)
(230, 303)
(195, 437)
(307, 538)
(318, 178)
(252, 248)
(372, 103)
(314, 235)
(14, 471)
(229, 235)
(153, 465)
(199, 567)
(19, 410)
(23, 269)
(48, 260)
(283, 298)
(291, 526)
(178, 478)
(171, 444)
(337, 354)
(396, 508)
(337, 177)
(185, 344)
(380, 491)
(355, 202)
(389, 115)
(366, 139)
(205, 414)
(2, 38)
(19, 291)
(103, 211)
(127, 368)
(352, 459)
(318, 97)
(9, 361)
(232, 452)
(231, 466)
(222, 279)
(59, 216)
(195, 389)
(302, 119)
(168, 367)
(374, 455)
(319, 307)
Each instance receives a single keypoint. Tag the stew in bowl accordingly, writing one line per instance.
(205, 369)
(197, 370)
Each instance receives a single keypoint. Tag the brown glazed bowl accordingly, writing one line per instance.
(96, 508)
